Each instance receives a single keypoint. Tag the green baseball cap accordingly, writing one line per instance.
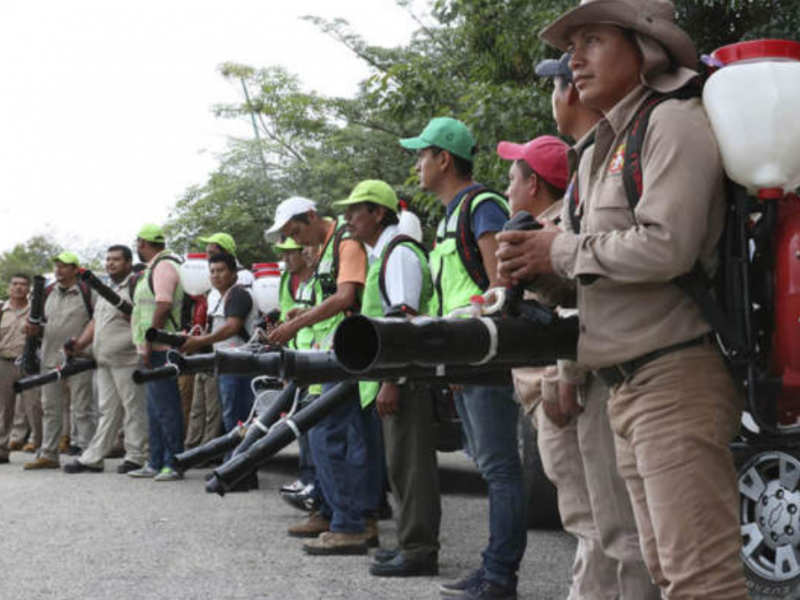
(288, 244)
(151, 233)
(223, 240)
(445, 133)
(68, 258)
(372, 190)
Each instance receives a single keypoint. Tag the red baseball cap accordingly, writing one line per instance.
(546, 154)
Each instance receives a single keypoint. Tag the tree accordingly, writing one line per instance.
(470, 59)
(34, 257)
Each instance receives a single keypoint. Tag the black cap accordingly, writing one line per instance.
(555, 68)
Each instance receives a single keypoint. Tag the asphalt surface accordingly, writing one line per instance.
(107, 536)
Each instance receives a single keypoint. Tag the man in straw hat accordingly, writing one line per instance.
(673, 407)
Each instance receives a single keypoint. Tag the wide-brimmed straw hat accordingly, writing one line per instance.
(652, 18)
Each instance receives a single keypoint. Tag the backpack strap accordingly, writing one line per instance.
(696, 283)
(394, 243)
(466, 244)
(150, 272)
(634, 141)
(86, 294)
(338, 236)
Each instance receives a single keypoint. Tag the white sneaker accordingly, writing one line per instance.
(146, 472)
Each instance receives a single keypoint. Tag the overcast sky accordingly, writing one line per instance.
(105, 113)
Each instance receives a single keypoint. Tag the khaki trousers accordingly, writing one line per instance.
(122, 402)
(83, 417)
(28, 418)
(673, 422)
(593, 502)
(28, 400)
(205, 417)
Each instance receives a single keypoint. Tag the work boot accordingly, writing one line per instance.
(30, 448)
(63, 444)
(337, 543)
(312, 527)
(15, 445)
(41, 463)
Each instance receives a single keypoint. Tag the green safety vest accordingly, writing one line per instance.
(324, 286)
(144, 303)
(372, 304)
(304, 340)
(453, 285)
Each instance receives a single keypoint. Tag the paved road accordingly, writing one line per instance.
(107, 536)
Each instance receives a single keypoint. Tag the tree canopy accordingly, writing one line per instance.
(470, 59)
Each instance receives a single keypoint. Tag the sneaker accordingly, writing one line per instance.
(486, 590)
(127, 467)
(455, 588)
(78, 467)
(293, 488)
(145, 472)
(41, 463)
(168, 474)
(302, 499)
(337, 543)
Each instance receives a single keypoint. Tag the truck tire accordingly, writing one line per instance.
(769, 491)
(540, 494)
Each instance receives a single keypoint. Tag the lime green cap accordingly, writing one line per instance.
(445, 133)
(223, 240)
(151, 233)
(68, 258)
(372, 190)
(288, 244)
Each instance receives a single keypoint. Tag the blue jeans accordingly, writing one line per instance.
(236, 397)
(307, 471)
(337, 446)
(164, 417)
(489, 415)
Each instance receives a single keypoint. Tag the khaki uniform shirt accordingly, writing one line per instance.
(633, 308)
(67, 317)
(12, 337)
(112, 345)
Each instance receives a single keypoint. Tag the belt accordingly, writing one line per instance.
(615, 375)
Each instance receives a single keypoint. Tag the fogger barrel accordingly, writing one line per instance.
(29, 361)
(159, 336)
(72, 367)
(106, 292)
(363, 344)
(178, 364)
(165, 372)
(314, 366)
(241, 437)
(281, 435)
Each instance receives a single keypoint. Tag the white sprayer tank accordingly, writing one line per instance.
(410, 225)
(753, 103)
(194, 274)
(266, 287)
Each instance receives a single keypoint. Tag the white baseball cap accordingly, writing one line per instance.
(291, 207)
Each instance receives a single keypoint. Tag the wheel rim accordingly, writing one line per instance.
(769, 486)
